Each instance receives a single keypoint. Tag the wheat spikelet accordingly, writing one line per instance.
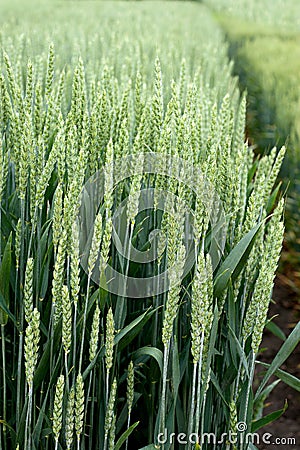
(28, 290)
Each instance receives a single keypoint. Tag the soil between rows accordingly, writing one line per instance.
(287, 308)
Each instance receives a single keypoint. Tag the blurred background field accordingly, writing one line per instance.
(264, 42)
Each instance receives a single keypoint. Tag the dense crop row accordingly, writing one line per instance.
(282, 14)
(88, 362)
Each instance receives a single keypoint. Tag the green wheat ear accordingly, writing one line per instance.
(130, 386)
(109, 416)
(69, 427)
(95, 334)
(79, 406)
(109, 340)
(31, 347)
(66, 319)
(28, 290)
(58, 407)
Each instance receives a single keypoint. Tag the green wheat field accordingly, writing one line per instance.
(104, 105)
